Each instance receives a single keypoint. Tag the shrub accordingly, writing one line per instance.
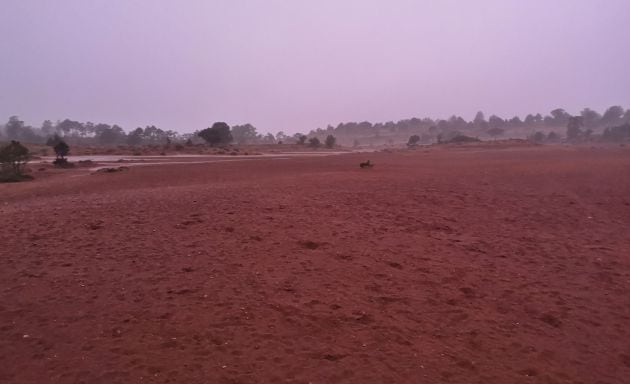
(537, 137)
(413, 141)
(458, 139)
(13, 158)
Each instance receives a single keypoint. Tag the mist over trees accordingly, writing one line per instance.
(88, 133)
(551, 127)
(557, 125)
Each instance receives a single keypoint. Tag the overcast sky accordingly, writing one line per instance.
(297, 65)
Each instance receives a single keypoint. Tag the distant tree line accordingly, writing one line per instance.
(78, 133)
(427, 130)
(556, 125)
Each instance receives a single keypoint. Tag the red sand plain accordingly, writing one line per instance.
(456, 265)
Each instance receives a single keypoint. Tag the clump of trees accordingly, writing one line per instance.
(413, 140)
(219, 133)
(13, 159)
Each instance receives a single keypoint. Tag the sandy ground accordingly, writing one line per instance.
(438, 265)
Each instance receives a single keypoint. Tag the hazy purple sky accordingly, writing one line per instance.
(295, 65)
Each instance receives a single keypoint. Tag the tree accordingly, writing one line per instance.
(14, 127)
(480, 121)
(61, 150)
(413, 141)
(111, 135)
(330, 141)
(219, 133)
(574, 126)
(244, 134)
(558, 117)
(495, 121)
(269, 138)
(314, 142)
(301, 139)
(613, 116)
(13, 157)
(619, 133)
(590, 118)
(16, 130)
(69, 127)
(47, 127)
(280, 137)
(135, 137)
(530, 120)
